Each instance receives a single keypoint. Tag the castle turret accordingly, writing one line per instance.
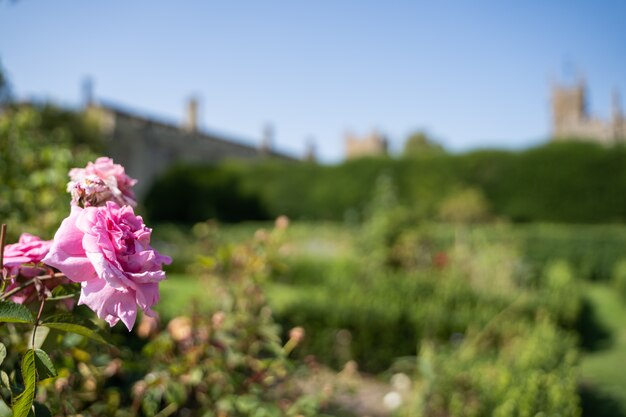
(310, 154)
(267, 139)
(618, 123)
(191, 120)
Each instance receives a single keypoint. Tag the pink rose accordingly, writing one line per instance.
(100, 182)
(107, 249)
(20, 260)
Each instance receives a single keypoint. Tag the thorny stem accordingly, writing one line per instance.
(29, 283)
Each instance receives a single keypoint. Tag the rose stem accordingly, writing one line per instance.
(3, 232)
(28, 283)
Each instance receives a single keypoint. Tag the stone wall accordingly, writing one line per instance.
(147, 147)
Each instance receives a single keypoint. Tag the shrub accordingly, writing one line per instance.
(522, 370)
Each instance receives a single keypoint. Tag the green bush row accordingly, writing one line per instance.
(559, 182)
(593, 251)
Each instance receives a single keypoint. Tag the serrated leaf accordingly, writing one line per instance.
(3, 352)
(14, 313)
(74, 324)
(23, 402)
(44, 366)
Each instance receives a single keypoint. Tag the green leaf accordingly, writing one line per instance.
(45, 368)
(5, 411)
(65, 291)
(23, 402)
(14, 313)
(3, 352)
(4, 377)
(74, 324)
(40, 337)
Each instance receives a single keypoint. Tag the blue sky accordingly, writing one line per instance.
(472, 73)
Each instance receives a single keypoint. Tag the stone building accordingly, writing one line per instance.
(571, 119)
(147, 146)
(373, 144)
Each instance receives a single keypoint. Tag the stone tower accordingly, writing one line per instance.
(373, 144)
(569, 107)
(571, 119)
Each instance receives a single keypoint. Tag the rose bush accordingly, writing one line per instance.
(103, 246)
(107, 249)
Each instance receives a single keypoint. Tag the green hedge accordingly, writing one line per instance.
(558, 182)
(593, 251)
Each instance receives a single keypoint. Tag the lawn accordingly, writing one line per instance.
(603, 369)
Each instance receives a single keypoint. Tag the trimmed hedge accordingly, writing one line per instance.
(570, 182)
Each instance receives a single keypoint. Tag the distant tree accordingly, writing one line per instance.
(420, 143)
(5, 87)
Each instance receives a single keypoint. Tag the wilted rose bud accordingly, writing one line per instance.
(218, 319)
(113, 367)
(296, 334)
(180, 328)
(139, 388)
(351, 368)
(282, 222)
(60, 384)
(147, 327)
(99, 182)
(89, 191)
(261, 235)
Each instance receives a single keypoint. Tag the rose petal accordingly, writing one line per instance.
(109, 304)
(67, 253)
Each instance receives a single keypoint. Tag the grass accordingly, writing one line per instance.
(178, 293)
(603, 369)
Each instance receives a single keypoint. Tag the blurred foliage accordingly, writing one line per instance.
(38, 146)
(591, 250)
(192, 194)
(508, 369)
(466, 206)
(619, 278)
(445, 285)
(384, 220)
(558, 182)
(496, 339)
(224, 360)
(420, 144)
(383, 311)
